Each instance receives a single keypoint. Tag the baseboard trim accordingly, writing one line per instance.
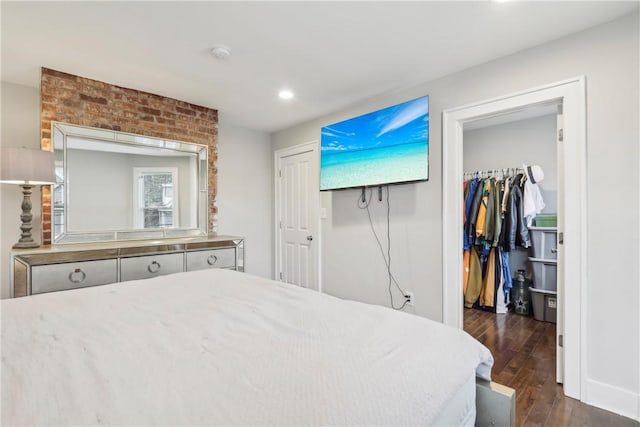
(614, 399)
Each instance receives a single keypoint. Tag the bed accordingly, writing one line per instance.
(220, 347)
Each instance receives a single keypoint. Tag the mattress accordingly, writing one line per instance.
(219, 347)
(460, 409)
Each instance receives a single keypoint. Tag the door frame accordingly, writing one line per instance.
(311, 146)
(572, 94)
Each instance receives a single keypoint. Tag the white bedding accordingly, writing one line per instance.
(227, 348)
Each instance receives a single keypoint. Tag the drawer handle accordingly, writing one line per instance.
(212, 259)
(77, 276)
(154, 267)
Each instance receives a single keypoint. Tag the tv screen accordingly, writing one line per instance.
(383, 147)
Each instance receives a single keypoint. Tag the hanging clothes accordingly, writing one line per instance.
(516, 231)
(474, 286)
(487, 295)
(533, 203)
(506, 185)
(494, 225)
(500, 299)
(497, 212)
(470, 194)
(466, 260)
(506, 272)
(481, 220)
(489, 226)
(474, 212)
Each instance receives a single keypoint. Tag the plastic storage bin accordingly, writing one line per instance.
(545, 273)
(546, 220)
(544, 304)
(544, 242)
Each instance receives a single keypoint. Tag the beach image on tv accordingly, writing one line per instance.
(387, 146)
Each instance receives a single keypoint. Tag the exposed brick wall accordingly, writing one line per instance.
(77, 100)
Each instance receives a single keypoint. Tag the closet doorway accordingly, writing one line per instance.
(496, 152)
(521, 336)
(569, 97)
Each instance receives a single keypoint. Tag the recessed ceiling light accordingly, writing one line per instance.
(221, 52)
(285, 94)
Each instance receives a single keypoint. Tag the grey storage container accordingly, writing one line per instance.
(545, 273)
(544, 242)
(544, 304)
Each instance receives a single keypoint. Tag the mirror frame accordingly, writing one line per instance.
(66, 130)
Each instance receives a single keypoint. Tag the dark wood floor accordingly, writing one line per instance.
(525, 359)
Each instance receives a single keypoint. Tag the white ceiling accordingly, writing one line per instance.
(331, 54)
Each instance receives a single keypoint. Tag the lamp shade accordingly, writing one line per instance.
(26, 166)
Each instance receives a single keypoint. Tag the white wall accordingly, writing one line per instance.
(20, 127)
(530, 141)
(101, 191)
(609, 56)
(245, 193)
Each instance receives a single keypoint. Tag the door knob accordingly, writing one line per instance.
(309, 237)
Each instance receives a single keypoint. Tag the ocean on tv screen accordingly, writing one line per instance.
(383, 147)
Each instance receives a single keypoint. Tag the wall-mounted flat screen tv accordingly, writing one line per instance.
(387, 146)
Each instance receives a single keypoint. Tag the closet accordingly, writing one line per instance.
(494, 226)
(496, 152)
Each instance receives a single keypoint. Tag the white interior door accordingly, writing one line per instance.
(560, 248)
(297, 201)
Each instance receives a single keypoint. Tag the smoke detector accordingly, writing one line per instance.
(221, 52)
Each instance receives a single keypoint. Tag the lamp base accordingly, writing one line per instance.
(26, 245)
(26, 241)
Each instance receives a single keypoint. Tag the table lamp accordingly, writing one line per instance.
(26, 167)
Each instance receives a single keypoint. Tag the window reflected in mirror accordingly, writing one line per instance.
(155, 198)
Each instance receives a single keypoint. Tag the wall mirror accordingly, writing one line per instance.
(120, 186)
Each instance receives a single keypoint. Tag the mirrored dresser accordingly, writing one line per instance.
(72, 266)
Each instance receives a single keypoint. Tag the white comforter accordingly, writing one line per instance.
(221, 347)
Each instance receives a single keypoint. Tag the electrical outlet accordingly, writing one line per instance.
(408, 296)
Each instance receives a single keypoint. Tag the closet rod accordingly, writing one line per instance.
(489, 172)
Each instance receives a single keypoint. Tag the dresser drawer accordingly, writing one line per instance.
(214, 258)
(72, 275)
(143, 267)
